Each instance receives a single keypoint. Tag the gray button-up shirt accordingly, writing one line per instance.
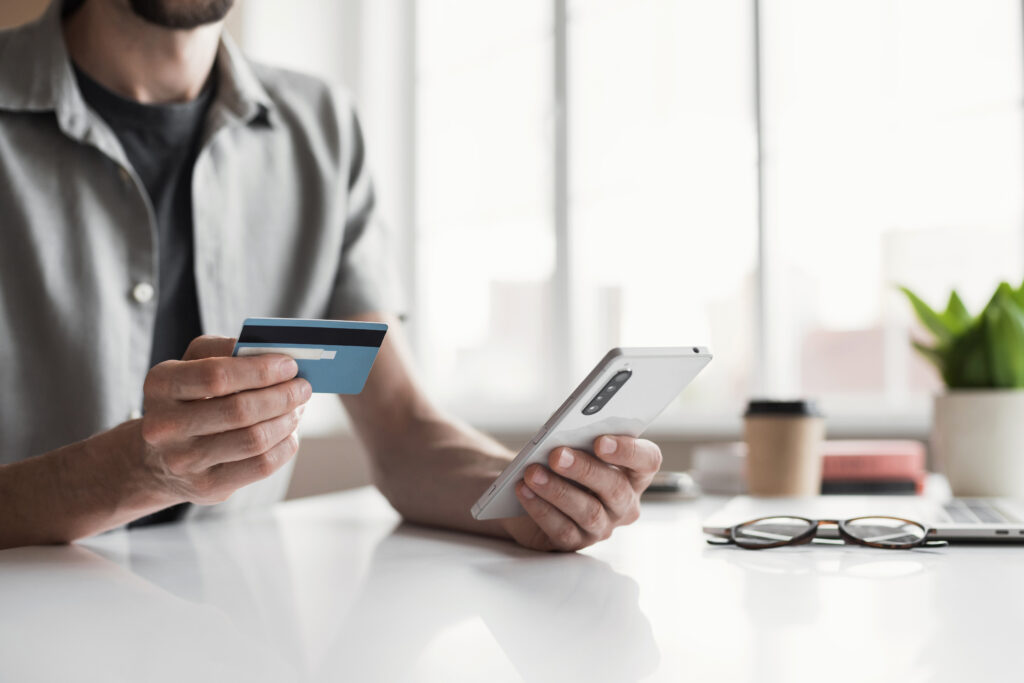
(283, 220)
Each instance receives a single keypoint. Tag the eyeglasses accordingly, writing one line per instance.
(877, 532)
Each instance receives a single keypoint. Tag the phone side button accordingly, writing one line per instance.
(539, 435)
(491, 490)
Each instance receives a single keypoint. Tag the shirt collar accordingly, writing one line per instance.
(38, 76)
(239, 89)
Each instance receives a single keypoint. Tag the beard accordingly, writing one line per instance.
(181, 14)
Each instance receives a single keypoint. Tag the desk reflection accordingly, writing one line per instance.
(68, 613)
(838, 599)
(555, 617)
(315, 600)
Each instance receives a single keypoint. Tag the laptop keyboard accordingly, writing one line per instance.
(973, 511)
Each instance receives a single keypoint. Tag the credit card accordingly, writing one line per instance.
(335, 356)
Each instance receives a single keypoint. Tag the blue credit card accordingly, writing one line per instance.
(335, 356)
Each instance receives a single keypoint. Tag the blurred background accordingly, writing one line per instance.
(565, 176)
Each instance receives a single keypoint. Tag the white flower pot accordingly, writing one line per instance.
(978, 440)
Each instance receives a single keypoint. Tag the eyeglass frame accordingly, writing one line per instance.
(810, 534)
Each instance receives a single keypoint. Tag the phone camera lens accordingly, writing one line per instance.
(696, 350)
(621, 377)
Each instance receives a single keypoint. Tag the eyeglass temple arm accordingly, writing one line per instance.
(718, 540)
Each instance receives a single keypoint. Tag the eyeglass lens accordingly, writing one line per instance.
(888, 532)
(770, 531)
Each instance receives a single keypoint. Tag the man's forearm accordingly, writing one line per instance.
(431, 468)
(77, 491)
(434, 469)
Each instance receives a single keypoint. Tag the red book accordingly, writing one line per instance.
(873, 461)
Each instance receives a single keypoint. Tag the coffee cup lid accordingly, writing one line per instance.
(800, 407)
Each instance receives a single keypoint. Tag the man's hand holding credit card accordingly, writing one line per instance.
(334, 356)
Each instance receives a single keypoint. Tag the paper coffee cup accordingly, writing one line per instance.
(784, 448)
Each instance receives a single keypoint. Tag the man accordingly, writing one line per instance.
(153, 186)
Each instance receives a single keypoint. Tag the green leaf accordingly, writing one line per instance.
(1004, 293)
(1018, 296)
(967, 363)
(956, 317)
(933, 355)
(980, 352)
(1005, 337)
(935, 323)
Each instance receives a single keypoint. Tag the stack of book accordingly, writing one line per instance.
(883, 467)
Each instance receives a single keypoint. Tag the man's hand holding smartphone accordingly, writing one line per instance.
(581, 497)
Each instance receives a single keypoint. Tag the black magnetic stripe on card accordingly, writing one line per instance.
(320, 336)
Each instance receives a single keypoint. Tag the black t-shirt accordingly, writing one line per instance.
(161, 142)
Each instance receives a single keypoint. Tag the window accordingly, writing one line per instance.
(894, 155)
(485, 231)
(891, 152)
(663, 185)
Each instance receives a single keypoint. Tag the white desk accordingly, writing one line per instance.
(332, 588)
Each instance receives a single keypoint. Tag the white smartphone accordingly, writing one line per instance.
(621, 396)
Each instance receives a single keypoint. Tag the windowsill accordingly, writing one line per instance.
(690, 427)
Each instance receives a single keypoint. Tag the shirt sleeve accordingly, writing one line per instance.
(367, 279)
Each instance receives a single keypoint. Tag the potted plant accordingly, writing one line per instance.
(978, 424)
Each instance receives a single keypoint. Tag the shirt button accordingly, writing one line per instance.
(135, 414)
(143, 292)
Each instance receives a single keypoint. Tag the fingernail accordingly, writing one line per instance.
(540, 477)
(287, 367)
(565, 459)
(607, 445)
(307, 389)
(527, 493)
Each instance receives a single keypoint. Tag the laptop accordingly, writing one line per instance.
(957, 519)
